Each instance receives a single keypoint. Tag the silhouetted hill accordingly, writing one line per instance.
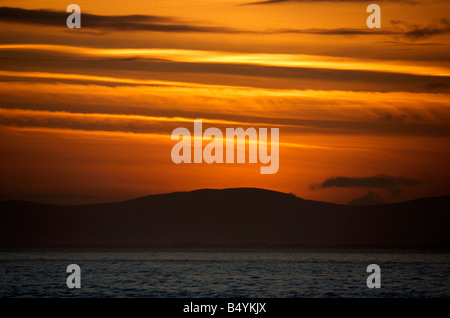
(232, 217)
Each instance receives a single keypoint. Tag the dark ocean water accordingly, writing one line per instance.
(278, 274)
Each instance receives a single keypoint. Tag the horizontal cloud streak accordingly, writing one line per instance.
(174, 25)
(410, 2)
(341, 31)
(112, 23)
(275, 60)
(304, 112)
(23, 67)
(146, 126)
(22, 117)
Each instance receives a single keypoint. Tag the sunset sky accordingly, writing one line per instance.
(86, 115)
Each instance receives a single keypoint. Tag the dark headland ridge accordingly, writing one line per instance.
(227, 218)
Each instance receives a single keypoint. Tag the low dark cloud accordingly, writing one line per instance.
(422, 32)
(393, 184)
(112, 23)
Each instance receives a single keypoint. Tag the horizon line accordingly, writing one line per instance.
(218, 189)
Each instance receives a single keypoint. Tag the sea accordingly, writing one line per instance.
(224, 274)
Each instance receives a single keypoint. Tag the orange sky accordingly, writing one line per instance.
(86, 114)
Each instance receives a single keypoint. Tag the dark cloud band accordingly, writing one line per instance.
(169, 24)
(113, 23)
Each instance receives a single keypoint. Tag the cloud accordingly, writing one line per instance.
(96, 23)
(151, 23)
(111, 23)
(302, 72)
(137, 124)
(438, 87)
(406, 30)
(265, 2)
(399, 43)
(419, 32)
(395, 22)
(381, 181)
(339, 31)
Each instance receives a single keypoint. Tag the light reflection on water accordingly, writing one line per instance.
(278, 274)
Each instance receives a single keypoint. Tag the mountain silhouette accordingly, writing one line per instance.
(241, 217)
